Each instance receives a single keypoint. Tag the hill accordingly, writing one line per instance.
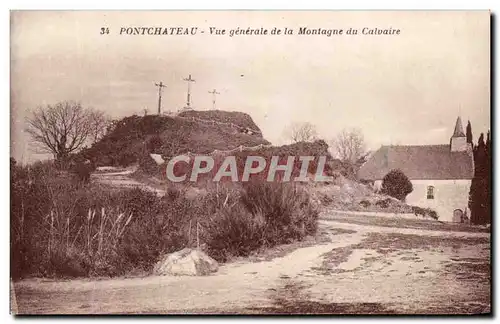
(193, 131)
(314, 149)
(239, 119)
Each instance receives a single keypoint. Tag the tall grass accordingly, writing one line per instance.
(266, 214)
(63, 229)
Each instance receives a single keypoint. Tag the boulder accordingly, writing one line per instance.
(157, 158)
(186, 262)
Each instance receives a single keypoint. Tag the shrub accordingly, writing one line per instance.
(384, 203)
(148, 165)
(125, 158)
(365, 203)
(62, 229)
(265, 214)
(59, 228)
(82, 171)
(287, 210)
(154, 143)
(419, 211)
(326, 199)
(234, 231)
(396, 184)
(432, 214)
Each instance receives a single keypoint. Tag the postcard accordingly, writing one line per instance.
(250, 162)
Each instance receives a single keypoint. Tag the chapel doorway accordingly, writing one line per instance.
(458, 215)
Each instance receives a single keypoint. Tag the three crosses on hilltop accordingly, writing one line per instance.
(189, 80)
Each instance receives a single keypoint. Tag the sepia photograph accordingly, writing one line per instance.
(259, 162)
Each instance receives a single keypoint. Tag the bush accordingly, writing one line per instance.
(267, 214)
(154, 143)
(384, 203)
(287, 210)
(234, 231)
(365, 203)
(396, 184)
(326, 199)
(82, 171)
(419, 211)
(125, 158)
(62, 229)
(432, 214)
(148, 165)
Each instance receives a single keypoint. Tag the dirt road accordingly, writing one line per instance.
(123, 179)
(363, 269)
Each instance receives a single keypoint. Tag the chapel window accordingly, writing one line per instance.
(430, 192)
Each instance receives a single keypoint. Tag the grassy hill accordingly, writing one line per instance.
(238, 118)
(135, 136)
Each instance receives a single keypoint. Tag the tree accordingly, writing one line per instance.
(480, 157)
(302, 132)
(488, 179)
(99, 124)
(469, 133)
(480, 190)
(364, 158)
(111, 126)
(396, 184)
(59, 129)
(350, 145)
(488, 143)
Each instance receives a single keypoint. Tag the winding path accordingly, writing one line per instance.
(404, 285)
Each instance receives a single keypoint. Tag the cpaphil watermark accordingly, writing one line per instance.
(294, 168)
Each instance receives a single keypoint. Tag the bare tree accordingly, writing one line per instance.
(59, 129)
(302, 132)
(349, 145)
(99, 124)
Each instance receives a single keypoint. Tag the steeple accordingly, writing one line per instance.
(459, 130)
(458, 141)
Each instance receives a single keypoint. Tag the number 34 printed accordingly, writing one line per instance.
(104, 30)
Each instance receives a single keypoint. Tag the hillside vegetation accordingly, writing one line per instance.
(237, 118)
(315, 149)
(133, 137)
(63, 228)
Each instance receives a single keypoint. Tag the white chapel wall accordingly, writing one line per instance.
(448, 196)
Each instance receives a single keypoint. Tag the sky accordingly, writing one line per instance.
(398, 89)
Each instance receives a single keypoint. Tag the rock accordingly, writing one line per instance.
(348, 188)
(186, 262)
(157, 158)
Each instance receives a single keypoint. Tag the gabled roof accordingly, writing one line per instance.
(422, 162)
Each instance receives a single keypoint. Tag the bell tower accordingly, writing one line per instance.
(458, 141)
